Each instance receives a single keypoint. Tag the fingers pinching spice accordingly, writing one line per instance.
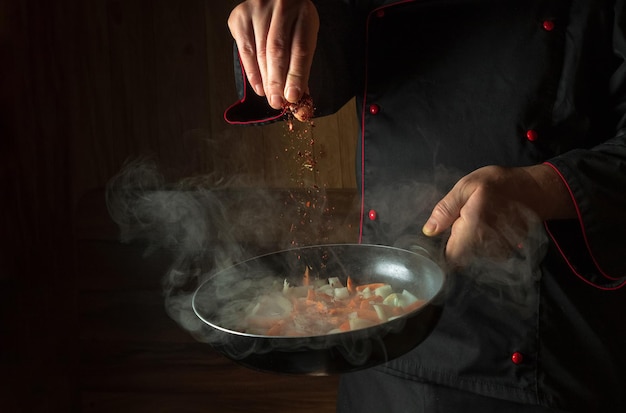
(302, 110)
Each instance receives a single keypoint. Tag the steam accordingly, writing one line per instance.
(504, 272)
(194, 220)
(208, 230)
(197, 226)
(510, 281)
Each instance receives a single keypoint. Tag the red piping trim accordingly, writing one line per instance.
(362, 207)
(586, 240)
(364, 105)
(242, 100)
(569, 264)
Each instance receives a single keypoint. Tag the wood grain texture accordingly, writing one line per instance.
(37, 317)
(87, 86)
(152, 78)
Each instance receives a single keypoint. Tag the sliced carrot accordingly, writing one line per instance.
(310, 294)
(306, 279)
(335, 321)
(321, 297)
(340, 311)
(394, 311)
(355, 302)
(345, 326)
(319, 312)
(350, 285)
(376, 299)
(371, 315)
(316, 307)
(262, 321)
(371, 286)
(321, 307)
(276, 329)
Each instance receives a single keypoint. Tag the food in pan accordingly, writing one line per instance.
(323, 306)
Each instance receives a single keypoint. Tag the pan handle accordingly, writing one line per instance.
(431, 248)
(418, 249)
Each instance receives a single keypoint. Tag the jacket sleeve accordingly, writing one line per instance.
(331, 83)
(594, 245)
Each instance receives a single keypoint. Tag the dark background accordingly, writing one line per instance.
(84, 87)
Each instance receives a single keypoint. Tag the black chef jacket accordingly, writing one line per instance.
(444, 87)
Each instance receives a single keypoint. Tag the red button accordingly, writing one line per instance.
(548, 25)
(531, 135)
(372, 215)
(374, 109)
(380, 13)
(517, 358)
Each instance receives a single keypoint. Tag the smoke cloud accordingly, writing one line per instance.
(197, 226)
(197, 223)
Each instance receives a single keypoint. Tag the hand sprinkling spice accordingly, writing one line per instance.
(302, 110)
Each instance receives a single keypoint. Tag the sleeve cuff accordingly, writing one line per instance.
(250, 109)
(573, 243)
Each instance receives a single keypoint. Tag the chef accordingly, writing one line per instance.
(516, 112)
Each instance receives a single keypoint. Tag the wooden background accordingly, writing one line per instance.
(86, 86)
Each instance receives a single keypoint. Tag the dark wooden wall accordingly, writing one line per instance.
(84, 87)
(154, 77)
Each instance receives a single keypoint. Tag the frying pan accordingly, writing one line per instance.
(326, 354)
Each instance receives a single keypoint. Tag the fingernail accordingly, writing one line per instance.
(429, 227)
(276, 101)
(293, 93)
(258, 89)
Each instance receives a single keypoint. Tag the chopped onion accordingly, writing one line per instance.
(342, 293)
(383, 291)
(380, 311)
(327, 289)
(408, 298)
(335, 282)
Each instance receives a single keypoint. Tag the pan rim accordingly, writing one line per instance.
(364, 332)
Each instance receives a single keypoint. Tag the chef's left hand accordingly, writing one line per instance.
(491, 210)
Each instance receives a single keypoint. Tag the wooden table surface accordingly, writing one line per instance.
(134, 358)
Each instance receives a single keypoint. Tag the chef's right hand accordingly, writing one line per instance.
(276, 41)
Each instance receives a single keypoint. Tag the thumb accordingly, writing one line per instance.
(444, 214)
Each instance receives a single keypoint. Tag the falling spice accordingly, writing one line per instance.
(308, 200)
